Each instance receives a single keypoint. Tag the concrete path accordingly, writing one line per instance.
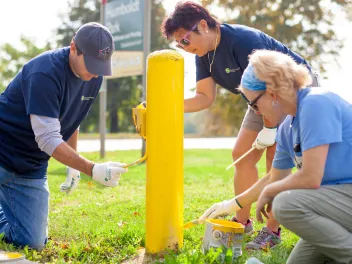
(90, 145)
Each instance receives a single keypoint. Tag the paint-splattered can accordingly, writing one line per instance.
(7, 257)
(223, 234)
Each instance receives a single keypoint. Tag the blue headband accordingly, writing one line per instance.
(250, 81)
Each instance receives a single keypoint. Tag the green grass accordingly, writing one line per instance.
(106, 225)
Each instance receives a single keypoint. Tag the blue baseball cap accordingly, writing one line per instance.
(97, 45)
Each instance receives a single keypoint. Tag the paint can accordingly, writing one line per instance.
(223, 234)
(7, 257)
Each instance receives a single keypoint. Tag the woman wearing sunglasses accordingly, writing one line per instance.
(221, 57)
(315, 202)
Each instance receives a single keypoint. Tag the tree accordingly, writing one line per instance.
(12, 59)
(122, 93)
(304, 26)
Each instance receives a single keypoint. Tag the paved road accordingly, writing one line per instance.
(136, 144)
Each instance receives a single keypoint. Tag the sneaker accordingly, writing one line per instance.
(265, 239)
(248, 227)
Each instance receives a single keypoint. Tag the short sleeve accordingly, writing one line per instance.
(201, 70)
(320, 121)
(243, 48)
(41, 96)
(282, 160)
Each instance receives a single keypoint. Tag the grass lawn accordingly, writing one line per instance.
(106, 225)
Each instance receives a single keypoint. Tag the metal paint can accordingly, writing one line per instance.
(7, 257)
(223, 234)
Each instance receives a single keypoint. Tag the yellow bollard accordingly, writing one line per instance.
(164, 222)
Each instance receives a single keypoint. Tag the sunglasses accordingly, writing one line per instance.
(184, 40)
(252, 104)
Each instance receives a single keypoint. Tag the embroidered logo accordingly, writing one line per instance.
(83, 98)
(228, 70)
(105, 54)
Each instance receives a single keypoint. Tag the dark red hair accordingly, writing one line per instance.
(186, 15)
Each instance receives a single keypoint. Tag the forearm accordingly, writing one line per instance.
(297, 180)
(252, 194)
(68, 156)
(72, 142)
(197, 103)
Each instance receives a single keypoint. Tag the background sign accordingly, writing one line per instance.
(126, 63)
(124, 19)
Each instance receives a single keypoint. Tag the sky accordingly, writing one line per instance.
(30, 20)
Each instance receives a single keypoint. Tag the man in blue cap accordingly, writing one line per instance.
(40, 113)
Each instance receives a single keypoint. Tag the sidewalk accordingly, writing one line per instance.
(90, 145)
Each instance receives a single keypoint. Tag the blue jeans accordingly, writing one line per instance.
(24, 209)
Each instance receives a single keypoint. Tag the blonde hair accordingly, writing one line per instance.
(280, 72)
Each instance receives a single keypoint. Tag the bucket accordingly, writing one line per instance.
(223, 234)
(6, 257)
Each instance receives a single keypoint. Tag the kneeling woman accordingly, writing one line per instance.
(315, 202)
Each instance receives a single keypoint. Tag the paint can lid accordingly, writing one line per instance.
(225, 225)
(10, 256)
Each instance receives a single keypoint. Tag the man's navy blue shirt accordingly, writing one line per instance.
(231, 58)
(46, 86)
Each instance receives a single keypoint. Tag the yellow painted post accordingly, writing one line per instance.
(165, 82)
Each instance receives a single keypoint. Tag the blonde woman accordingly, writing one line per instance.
(221, 57)
(315, 202)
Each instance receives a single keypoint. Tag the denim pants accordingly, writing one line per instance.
(24, 209)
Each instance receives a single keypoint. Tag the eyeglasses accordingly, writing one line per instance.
(184, 40)
(252, 104)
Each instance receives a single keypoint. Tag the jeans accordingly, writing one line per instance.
(24, 206)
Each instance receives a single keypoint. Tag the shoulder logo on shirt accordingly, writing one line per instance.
(83, 98)
(228, 70)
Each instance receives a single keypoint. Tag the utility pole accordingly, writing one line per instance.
(146, 51)
(102, 96)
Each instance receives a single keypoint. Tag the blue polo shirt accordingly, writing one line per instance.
(231, 58)
(45, 86)
(322, 118)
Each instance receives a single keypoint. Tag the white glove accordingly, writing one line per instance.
(108, 173)
(72, 180)
(223, 208)
(266, 138)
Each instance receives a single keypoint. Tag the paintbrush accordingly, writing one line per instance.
(192, 223)
(240, 158)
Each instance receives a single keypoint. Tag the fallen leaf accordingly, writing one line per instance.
(136, 214)
(64, 246)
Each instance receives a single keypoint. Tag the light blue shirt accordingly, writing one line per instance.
(322, 118)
